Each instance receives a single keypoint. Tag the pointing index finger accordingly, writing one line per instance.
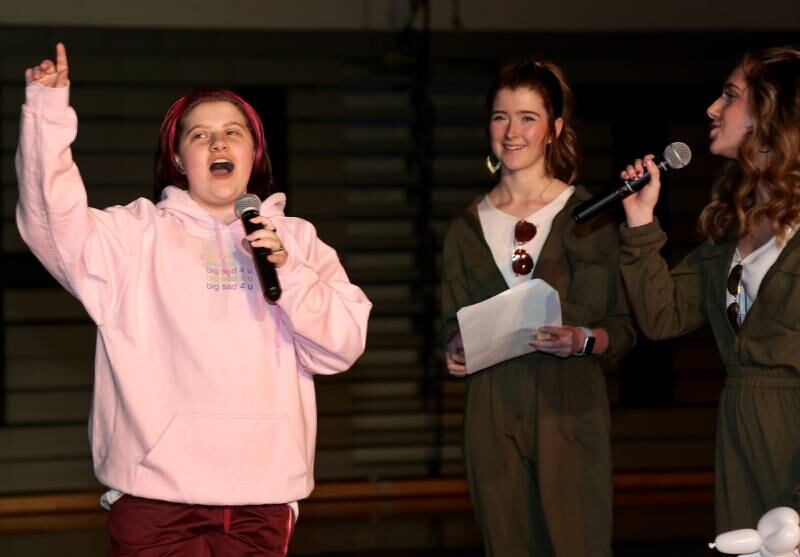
(61, 58)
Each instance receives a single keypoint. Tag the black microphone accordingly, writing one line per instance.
(246, 207)
(676, 155)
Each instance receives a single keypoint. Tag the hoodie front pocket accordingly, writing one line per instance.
(214, 459)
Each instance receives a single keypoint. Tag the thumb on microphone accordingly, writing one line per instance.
(639, 206)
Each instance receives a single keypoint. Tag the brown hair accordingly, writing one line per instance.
(547, 79)
(769, 156)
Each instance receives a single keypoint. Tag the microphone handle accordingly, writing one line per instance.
(267, 276)
(632, 186)
(591, 207)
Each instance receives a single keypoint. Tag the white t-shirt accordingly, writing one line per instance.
(498, 229)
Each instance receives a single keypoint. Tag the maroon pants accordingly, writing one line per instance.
(147, 528)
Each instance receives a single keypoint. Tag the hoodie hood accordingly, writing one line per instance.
(178, 203)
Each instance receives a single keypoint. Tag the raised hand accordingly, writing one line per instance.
(48, 74)
(640, 205)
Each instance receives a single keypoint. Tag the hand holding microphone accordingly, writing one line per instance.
(268, 252)
(636, 177)
(640, 206)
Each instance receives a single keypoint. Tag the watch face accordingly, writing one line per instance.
(589, 347)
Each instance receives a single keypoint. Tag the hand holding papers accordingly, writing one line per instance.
(499, 328)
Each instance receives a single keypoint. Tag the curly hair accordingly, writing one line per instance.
(769, 157)
(166, 169)
(547, 79)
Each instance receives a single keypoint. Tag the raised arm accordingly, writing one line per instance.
(666, 303)
(79, 246)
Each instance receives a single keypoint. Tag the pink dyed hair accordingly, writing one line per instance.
(167, 171)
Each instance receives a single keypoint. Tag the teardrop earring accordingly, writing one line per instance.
(493, 164)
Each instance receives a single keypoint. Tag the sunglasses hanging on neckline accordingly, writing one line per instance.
(735, 289)
(521, 261)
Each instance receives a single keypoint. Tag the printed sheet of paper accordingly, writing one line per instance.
(500, 328)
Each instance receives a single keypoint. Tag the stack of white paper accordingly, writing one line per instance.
(500, 328)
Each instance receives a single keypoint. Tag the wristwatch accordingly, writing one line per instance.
(588, 343)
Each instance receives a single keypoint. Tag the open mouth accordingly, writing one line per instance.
(221, 168)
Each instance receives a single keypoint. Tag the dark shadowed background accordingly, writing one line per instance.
(374, 119)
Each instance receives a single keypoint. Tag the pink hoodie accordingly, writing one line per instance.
(203, 392)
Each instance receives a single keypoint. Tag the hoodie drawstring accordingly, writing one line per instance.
(277, 342)
(275, 308)
(220, 246)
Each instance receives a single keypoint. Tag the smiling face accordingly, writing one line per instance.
(519, 130)
(730, 117)
(215, 152)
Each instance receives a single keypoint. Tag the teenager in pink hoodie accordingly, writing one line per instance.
(203, 420)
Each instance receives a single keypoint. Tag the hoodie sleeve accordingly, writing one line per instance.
(326, 313)
(78, 245)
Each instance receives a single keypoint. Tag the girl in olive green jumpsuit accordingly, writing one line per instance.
(536, 427)
(744, 281)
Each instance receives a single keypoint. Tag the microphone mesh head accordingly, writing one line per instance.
(245, 202)
(677, 155)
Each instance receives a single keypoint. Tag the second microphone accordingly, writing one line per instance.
(676, 155)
